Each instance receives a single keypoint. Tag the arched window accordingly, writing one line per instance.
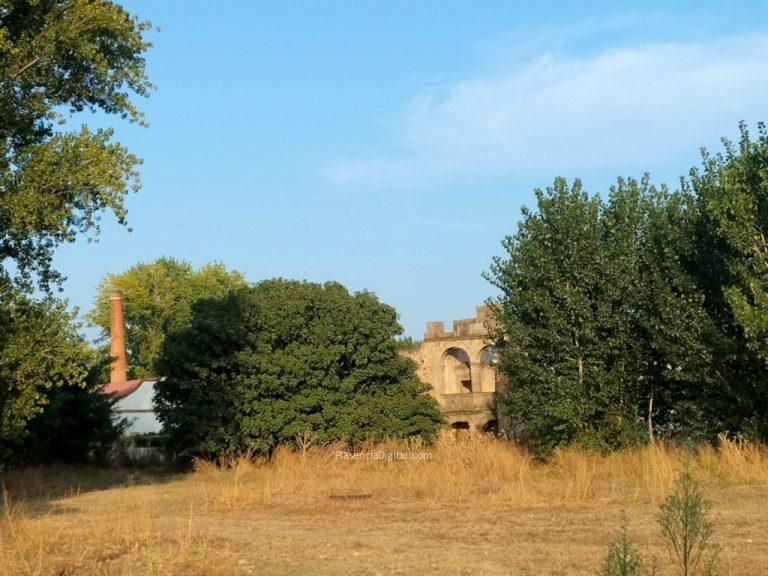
(489, 355)
(485, 379)
(458, 371)
(491, 427)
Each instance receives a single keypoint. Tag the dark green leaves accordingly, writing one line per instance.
(39, 350)
(649, 307)
(284, 358)
(599, 323)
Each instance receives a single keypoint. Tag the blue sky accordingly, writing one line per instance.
(390, 145)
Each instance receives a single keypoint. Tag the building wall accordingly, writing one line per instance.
(138, 409)
(459, 364)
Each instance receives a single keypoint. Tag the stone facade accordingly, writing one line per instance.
(460, 366)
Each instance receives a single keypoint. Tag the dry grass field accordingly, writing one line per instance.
(466, 506)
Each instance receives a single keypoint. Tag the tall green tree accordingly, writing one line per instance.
(57, 58)
(731, 192)
(651, 305)
(157, 299)
(562, 322)
(679, 339)
(602, 329)
(281, 358)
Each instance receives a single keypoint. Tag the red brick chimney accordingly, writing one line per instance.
(119, 369)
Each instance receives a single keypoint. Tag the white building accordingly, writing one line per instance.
(134, 403)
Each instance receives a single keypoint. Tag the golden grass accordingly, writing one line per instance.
(466, 468)
(469, 505)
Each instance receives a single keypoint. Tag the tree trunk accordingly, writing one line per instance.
(651, 439)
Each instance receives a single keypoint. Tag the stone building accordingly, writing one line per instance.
(460, 366)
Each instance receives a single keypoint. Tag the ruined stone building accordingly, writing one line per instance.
(460, 366)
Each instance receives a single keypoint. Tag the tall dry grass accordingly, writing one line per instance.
(471, 468)
(85, 521)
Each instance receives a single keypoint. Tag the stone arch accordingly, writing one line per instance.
(457, 371)
(488, 354)
(490, 426)
(487, 359)
(460, 425)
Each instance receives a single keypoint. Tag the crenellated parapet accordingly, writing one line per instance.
(464, 328)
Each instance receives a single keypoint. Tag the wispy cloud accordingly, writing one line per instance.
(559, 113)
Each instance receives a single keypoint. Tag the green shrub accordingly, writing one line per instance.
(623, 558)
(76, 425)
(686, 530)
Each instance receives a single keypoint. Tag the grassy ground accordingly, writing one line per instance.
(473, 506)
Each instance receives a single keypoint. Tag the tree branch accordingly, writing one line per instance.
(24, 68)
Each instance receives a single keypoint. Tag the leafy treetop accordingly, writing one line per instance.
(57, 58)
(157, 299)
(285, 358)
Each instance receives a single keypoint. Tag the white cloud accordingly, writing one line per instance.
(640, 104)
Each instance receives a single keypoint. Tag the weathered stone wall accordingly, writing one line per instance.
(460, 366)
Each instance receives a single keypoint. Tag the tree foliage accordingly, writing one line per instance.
(641, 311)
(39, 350)
(76, 424)
(568, 321)
(157, 299)
(282, 358)
(57, 58)
(408, 343)
(731, 192)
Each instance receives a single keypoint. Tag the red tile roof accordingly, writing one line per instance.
(123, 389)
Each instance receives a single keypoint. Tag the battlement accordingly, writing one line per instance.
(463, 328)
